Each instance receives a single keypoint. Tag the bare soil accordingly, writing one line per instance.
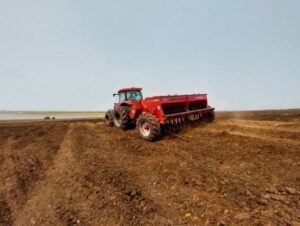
(243, 169)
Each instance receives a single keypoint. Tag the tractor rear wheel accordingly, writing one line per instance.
(149, 127)
(109, 119)
(121, 118)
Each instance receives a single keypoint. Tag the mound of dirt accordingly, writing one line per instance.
(240, 170)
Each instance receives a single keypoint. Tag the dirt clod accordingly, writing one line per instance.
(291, 191)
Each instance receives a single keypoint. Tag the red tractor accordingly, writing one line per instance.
(153, 114)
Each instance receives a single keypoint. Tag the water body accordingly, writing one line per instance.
(41, 115)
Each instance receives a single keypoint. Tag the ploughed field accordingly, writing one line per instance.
(243, 169)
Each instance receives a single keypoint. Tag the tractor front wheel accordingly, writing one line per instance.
(149, 127)
(109, 119)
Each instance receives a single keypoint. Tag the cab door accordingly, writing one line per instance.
(120, 98)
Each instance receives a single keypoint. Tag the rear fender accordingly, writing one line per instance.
(153, 106)
(127, 103)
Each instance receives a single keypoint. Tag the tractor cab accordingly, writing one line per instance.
(129, 95)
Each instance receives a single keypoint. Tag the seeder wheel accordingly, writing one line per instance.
(210, 117)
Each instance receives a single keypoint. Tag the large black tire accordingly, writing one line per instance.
(210, 117)
(121, 118)
(149, 127)
(109, 118)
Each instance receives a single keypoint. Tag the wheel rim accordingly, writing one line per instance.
(145, 129)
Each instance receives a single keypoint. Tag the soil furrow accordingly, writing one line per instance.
(240, 170)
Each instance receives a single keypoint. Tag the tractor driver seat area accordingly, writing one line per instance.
(134, 96)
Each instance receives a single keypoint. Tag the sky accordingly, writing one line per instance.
(72, 55)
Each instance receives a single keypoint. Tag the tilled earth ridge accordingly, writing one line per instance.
(243, 169)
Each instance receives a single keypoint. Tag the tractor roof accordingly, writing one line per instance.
(130, 89)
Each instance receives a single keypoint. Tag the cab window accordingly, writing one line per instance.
(134, 95)
(122, 97)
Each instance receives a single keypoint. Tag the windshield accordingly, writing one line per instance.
(134, 95)
(130, 95)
